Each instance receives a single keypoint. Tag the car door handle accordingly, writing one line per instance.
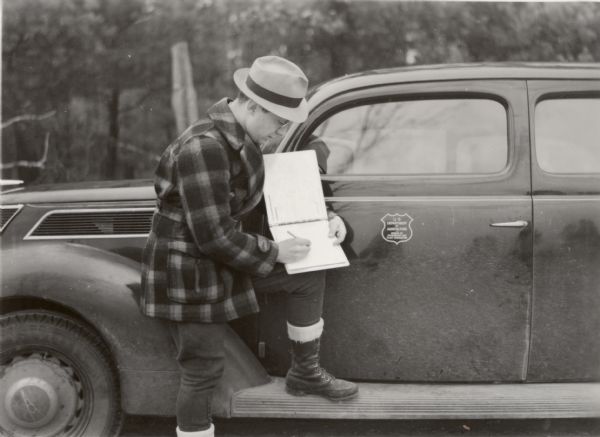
(515, 224)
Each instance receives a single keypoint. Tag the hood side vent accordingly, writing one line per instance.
(133, 222)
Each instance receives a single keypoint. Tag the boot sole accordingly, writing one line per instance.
(300, 392)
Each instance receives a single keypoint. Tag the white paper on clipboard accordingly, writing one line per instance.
(296, 206)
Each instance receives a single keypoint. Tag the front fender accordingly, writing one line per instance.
(100, 286)
(103, 288)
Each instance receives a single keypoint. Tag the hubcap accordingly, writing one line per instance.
(31, 402)
(42, 394)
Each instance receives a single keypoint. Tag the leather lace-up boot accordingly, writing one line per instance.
(306, 376)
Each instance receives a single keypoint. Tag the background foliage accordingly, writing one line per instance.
(102, 68)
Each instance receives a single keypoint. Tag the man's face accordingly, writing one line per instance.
(260, 124)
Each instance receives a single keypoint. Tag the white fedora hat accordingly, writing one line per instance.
(277, 85)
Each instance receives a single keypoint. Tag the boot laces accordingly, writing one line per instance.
(327, 377)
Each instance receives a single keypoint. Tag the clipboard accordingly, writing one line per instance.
(295, 204)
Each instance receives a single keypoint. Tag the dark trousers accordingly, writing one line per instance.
(200, 346)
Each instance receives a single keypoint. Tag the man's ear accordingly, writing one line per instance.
(252, 106)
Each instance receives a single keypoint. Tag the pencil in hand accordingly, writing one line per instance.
(298, 238)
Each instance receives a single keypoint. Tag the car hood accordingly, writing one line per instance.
(100, 191)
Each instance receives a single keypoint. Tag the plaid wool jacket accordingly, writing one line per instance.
(197, 263)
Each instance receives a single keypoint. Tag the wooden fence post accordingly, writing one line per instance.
(183, 98)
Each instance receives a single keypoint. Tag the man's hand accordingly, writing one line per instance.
(337, 228)
(292, 250)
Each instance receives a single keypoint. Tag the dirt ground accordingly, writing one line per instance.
(138, 426)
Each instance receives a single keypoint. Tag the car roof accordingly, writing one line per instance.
(449, 72)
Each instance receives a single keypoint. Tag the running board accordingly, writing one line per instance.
(425, 401)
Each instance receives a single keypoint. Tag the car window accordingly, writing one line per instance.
(567, 135)
(437, 136)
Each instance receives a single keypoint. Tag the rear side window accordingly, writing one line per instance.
(567, 135)
(428, 136)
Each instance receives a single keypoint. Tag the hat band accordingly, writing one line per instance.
(288, 102)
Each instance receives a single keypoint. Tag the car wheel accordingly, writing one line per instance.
(56, 378)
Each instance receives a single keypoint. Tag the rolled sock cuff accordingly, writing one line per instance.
(210, 432)
(304, 334)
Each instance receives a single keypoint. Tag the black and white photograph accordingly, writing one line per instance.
(299, 218)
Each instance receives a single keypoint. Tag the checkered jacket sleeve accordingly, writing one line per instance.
(202, 168)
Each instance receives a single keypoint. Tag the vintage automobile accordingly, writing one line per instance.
(472, 198)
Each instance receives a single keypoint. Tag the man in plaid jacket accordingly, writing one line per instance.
(200, 270)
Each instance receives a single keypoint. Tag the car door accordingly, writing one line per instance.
(566, 205)
(432, 180)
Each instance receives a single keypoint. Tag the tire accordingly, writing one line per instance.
(56, 378)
